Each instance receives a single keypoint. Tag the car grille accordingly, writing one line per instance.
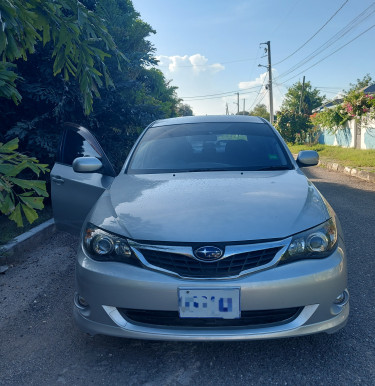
(247, 319)
(189, 267)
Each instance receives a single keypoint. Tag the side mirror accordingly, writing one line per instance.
(86, 164)
(307, 158)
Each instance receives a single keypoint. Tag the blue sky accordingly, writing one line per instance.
(212, 47)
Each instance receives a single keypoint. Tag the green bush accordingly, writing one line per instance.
(294, 127)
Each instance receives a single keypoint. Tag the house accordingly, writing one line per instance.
(358, 134)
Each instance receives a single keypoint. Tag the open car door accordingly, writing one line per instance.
(75, 190)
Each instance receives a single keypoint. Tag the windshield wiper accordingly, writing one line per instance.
(204, 170)
(274, 168)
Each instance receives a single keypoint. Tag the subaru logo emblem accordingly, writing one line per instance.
(208, 254)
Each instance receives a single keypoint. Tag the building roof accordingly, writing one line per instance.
(366, 90)
(369, 89)
(328, 105)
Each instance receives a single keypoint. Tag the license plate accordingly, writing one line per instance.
(221, 303)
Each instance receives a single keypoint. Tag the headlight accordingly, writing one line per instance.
(105, 246)
(314, 243)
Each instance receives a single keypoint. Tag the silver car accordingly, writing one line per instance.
(210, 232)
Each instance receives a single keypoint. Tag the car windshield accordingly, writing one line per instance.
(209, 147)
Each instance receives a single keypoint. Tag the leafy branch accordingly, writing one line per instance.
(356, 105)
(80, 39)
(20, 196)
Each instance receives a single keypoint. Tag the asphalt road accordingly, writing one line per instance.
(40, 345)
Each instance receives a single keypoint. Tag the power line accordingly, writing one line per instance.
(318, 87)
(292, 8)
(339, 35)
(316, 63)
(254, 63)
(259, 91)
(218, 97)
(307, 41)
(281, 93)
(261, 99)
(220, 94)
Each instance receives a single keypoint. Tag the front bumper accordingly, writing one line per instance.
(311, 284)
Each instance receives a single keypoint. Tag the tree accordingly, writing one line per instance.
(294, 127)
(360, 84)
(260, 110)
(311, 98)
(78, 36)
(139, 95)
(184, 110)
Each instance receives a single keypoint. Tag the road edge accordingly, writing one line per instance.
(348, 170)
(337, 167)
(13, 251)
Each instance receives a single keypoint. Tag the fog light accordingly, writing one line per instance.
(341, 298)
(81, 301)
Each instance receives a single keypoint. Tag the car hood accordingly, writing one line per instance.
(211, 206)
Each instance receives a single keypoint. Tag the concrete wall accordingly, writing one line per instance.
(346, 136)
(343, 137)
(368, 135)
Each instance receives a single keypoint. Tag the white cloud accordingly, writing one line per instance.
(260, 86)
(197, 62)
(253, 83)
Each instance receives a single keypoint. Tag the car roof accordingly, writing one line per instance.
(208, 118)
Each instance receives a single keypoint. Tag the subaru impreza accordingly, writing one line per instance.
(211, 231)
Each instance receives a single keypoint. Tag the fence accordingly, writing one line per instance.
(360, 135)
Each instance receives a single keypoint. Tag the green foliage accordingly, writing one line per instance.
(9, 229)
(184, 110)
(294, 127)
(7, 82)
(79, 38)
(347, 156)
(311, 98)
(332, 118)
(141, 94)
(260, 110)
(360, 84)
(20, 196)
(356, 105)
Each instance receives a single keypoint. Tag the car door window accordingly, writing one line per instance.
(79, 142)
(76, 146)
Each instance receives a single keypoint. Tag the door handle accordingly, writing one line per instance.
(57, 179)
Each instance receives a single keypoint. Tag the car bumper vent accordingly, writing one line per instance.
(247, 319)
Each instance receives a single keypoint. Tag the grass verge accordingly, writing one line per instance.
(347, 156)
(9, 230)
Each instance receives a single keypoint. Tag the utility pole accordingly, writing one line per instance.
(243, 111)
(238, 103)
(303, 89)
(269, 67)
